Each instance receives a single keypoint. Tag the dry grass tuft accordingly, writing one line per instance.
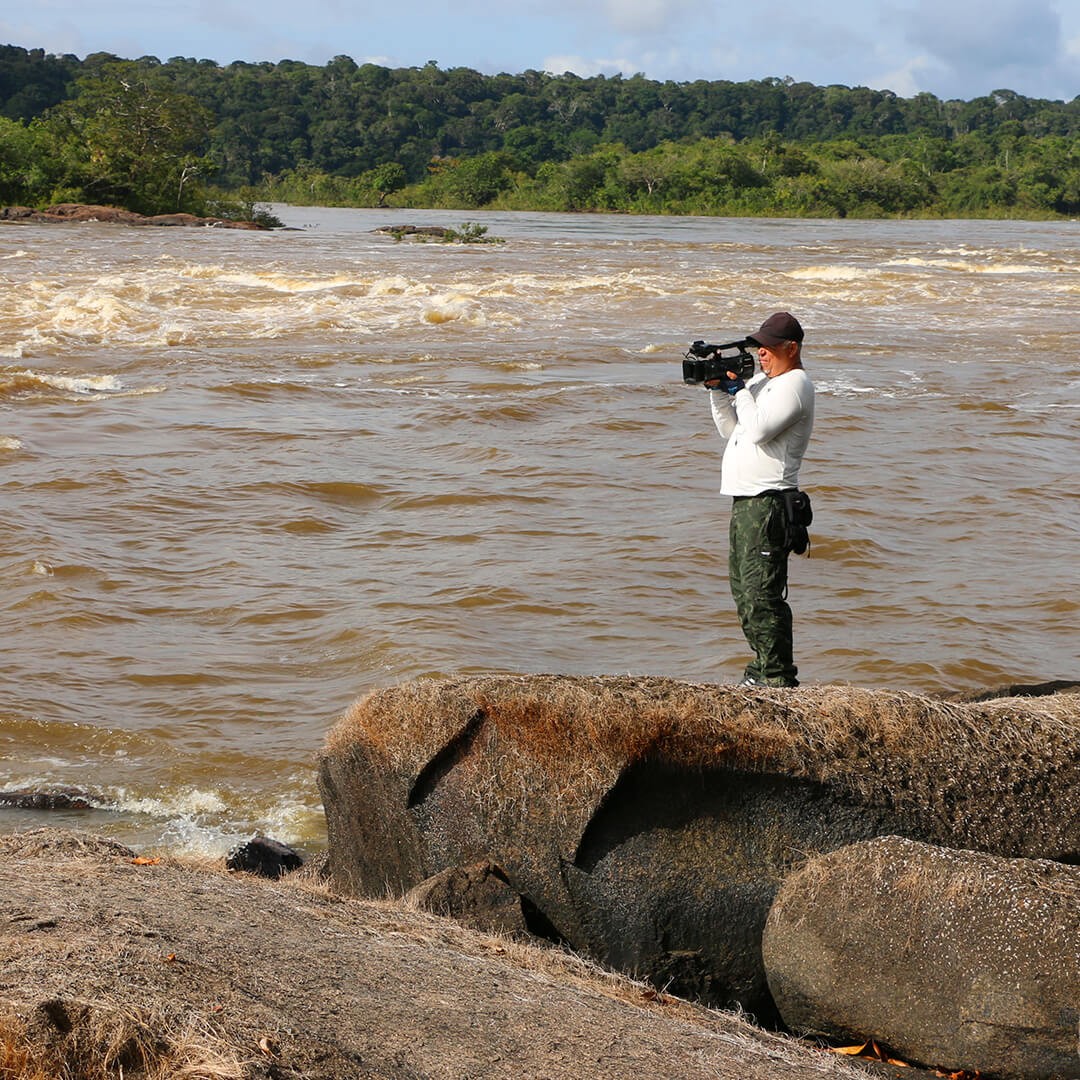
(95, 1040)
(48, 842)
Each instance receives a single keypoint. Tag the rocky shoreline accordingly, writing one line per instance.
(875, 871)
(70, 213)
(731, 844)
(164, 969)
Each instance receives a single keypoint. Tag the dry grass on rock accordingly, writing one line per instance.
(625, 719)
(184, 972)
(580, 733)
(99, 1040)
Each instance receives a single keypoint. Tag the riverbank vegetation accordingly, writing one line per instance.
(893, 176)
(196, 136)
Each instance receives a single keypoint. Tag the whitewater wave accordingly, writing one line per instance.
(207, 822)
(166, 303)
(272, 280)
(37, 384)
(833, 273)
(966, 266)
(188, 820)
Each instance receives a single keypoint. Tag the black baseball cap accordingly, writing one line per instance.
(776, 329)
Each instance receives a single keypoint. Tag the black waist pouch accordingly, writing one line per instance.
(798, 514)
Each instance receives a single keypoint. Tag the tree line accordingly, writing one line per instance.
(193, 134)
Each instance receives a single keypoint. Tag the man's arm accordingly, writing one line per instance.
(723, 412)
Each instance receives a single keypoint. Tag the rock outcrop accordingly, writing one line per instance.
(650, 822)
(477, 896)
(83, 212)
(952, 958)
(414, 232)
(115, 965)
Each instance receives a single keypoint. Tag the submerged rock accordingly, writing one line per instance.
(981, 956)
(1054, 686)
(57, 799)
(650, 822)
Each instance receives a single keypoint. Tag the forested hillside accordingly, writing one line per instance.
(368, 135)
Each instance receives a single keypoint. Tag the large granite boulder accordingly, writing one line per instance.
(649, 822)
(952, 958)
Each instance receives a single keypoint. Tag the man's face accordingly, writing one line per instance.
(776, 359)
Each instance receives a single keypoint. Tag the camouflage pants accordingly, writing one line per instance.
(758, 572)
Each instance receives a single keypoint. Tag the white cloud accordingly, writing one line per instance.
(907, 80)
(580, 65)
(801, 28)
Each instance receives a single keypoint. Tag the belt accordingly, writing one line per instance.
(770, 493)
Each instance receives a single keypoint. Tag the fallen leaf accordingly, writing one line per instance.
(851, 1051)
(268, 1046)
(872, 1052)
(654, 995)
(142, 860)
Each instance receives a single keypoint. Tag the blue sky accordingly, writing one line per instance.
(951, 48)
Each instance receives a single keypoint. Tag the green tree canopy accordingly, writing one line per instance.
(132, 140)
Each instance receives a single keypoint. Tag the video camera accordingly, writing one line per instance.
(706, 362)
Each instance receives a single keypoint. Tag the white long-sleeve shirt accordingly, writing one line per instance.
(767, 426)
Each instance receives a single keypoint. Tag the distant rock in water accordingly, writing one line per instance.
(469, 233)
(419, 232)
(82, 212)
(650, 822)
(265, 857)
(60, 799)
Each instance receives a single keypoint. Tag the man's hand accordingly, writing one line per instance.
(731, 385)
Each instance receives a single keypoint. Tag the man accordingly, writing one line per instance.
(767, 424)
